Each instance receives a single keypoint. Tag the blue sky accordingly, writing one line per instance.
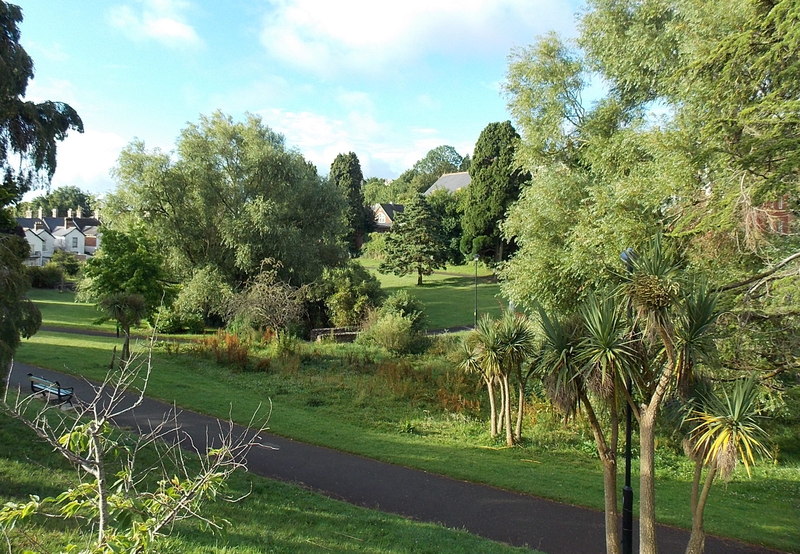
(386, 80)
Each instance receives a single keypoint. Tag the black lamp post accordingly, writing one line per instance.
(476, 291)
(627, 256)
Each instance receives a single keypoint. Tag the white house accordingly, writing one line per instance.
(73, 233)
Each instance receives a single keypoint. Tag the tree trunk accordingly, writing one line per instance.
(520, 410)
(507, 412)
(492, 409)
(501, 412)
(126, 347)
(608, 455)
(697, 540)
(647, 489)
(419, 277)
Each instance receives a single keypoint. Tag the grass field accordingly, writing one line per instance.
(449, 294)
(358, 400)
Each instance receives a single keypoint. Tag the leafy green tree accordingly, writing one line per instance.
(495, 184)
(67, 261)
(29, 133)
(126, 264)
(349, 293)
(63, 199)
(438, 161)
(414, 243)
(346, 174)
(409, 306)
(206, 293)
(232, 196)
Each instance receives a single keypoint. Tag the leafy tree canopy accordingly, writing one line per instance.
(61, 200)
(231, 196)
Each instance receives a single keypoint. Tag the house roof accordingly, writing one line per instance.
(83, 224)
(63, 231)
(390, 209)
(34, 234)
(450, 182)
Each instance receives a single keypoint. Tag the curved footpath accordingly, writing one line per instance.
(500, 515)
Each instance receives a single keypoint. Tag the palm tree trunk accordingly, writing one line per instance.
(126, 347)
(507, 412)
(647, 490)
(492, 408)
(697, 540)
(501, 412)
(608, 455)
(520, 410)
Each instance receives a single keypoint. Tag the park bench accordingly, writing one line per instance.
(50, 389)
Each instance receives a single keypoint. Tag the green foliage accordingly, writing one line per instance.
(48, 276)
(414, 243)
(28, 131)
(232, 195)
(374, 247)
(406, 305)
(172, 321)
(205, 293)
(394, 333)
(20, 319)
(346, 175)
(266, 302)
(349, 294)
(125, 264)
(495, 183)
(449, 210)
(63, 199)
(67, 261)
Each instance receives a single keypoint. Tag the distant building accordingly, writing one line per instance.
(450, 182)
(385, 214)
(73, 233)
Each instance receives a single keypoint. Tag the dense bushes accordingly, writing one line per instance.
(45, 277)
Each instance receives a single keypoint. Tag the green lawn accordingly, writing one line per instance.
(59, 309)
(449, 294)
(354, 399)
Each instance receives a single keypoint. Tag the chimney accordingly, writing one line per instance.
(55, 212)
(69, 213)
(41, 212)
(79, 212)
(29, 214)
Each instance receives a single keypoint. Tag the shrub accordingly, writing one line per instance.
(406, 305)
(349, 293)
(172, 322)
(375, 246)
(393, 332)
(45, 277)
(227, 349)
(67, 261)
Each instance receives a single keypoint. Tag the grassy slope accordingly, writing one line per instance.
(449, 295)
(327, 404)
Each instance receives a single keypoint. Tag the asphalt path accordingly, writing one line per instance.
(500, 515)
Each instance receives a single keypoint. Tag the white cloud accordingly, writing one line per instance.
(364, 35)
(160, 20)
(85, 160)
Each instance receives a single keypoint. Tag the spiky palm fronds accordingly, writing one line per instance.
(517, 338)
(559, 364)
(606, 351)
(653, 287)
(726, 428)
(694, 333)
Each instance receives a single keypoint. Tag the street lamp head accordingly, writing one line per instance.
(477, 257)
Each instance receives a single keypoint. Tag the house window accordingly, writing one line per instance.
(382, 218)
(74, 242)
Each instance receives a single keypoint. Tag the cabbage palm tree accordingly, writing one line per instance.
(470, 362)
(605, 356)
(517, 342)
(127, 310)
(726, 431)
(676, 327)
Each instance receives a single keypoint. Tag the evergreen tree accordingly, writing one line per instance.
(28, 136)
(414, 243)
(347, 176)
(495, 184)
